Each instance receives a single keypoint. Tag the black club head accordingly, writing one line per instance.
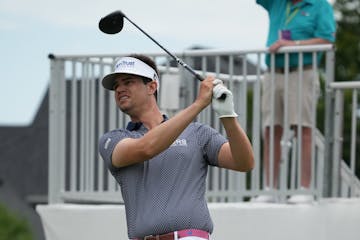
(112, 23)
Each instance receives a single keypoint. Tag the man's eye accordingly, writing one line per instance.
(129, 81)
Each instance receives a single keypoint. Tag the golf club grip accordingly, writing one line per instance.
(222, 97)
(198, 76)
(201, 78)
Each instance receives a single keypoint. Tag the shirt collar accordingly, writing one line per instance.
(133, 126)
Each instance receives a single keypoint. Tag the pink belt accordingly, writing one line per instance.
(180, 234)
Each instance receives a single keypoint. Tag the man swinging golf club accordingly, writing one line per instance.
(161, 163)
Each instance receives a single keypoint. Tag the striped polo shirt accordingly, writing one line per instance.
(166, 193)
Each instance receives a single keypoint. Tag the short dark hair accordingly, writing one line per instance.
(149, 62)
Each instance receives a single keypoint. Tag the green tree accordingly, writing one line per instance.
(12, 227)
(347, 44)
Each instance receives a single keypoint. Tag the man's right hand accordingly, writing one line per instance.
(205, 91)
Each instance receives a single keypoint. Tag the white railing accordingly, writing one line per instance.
(345, 182)
(81, 111)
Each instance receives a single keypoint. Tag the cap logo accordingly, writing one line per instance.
(125, 63)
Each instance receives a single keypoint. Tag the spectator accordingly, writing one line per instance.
(293, 23)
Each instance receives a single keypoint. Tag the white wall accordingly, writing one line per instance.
(325, 220)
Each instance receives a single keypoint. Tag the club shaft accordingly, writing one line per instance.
(178, 60)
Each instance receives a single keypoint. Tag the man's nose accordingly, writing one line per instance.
(119, 87)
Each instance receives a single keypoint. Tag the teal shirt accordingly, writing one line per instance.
(313, 19)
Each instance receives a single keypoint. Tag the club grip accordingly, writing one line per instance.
(201, 78)
(222, 97)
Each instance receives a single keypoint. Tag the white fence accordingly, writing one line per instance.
(345, 182)
(81, 111)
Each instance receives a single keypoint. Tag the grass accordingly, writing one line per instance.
(13, 227)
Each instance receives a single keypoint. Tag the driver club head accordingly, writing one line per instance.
(112, 23)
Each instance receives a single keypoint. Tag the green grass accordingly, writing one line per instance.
(13, 227)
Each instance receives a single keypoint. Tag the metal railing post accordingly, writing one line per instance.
(337, 143)
(329, 123)
(56, 130)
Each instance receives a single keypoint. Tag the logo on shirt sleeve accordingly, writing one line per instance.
(179, 142)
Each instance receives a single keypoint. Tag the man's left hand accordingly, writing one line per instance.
(223, 107)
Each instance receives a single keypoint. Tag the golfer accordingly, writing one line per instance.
(161, 163)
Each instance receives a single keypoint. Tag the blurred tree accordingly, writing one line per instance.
(347, 13)
(12, 227)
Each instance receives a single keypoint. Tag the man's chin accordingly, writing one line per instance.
(124, 109)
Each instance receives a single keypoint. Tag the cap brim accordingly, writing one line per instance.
(109, 80)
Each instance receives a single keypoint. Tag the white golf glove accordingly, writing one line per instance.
(223, 107)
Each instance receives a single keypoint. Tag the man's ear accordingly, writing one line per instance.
(152, 86)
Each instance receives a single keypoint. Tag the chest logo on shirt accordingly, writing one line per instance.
(306, 14)
(179, 142)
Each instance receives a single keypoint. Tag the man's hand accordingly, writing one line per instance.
(223, 107)
(205, 92)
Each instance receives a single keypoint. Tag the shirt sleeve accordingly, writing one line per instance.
(211, 141)
(265, 3)
(326, 23)
(107, 145)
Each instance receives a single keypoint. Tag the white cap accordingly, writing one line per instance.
(130, 65)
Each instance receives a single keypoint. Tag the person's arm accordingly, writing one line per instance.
(282, 43)
(135, 150)
(237, 154)
(266, 4)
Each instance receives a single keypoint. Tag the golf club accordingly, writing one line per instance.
(114, 22)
